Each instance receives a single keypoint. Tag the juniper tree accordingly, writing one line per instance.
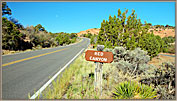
(118, 29)
(130, 33)
(5, 9)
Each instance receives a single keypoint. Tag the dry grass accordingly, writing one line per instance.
(7, 52)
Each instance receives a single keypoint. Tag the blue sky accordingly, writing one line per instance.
(78, 16)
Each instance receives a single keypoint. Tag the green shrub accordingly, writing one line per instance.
(73, 40)
(124, 91)
(169, 39)
(64, 38)
(93, 39)
(152, 44)
(171, 49)
(108, 44)
(133, 90)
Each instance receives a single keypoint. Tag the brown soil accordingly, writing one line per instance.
(164, 32)
(158, 60)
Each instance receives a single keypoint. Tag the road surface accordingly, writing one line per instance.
(168, 55)
(25, 72)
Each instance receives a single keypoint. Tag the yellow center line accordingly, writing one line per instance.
(32, 57)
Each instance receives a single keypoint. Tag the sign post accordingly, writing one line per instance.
(99, 57)
(98, 77)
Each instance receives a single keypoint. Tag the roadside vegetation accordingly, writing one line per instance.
(15, 37)
(130, 75)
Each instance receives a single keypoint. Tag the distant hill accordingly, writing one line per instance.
(157, 31)
(92, 31)
(163, 32)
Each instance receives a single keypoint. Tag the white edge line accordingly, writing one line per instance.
(46, 84)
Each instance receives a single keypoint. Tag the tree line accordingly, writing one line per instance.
(16, 37)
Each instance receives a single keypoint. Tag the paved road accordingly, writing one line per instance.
(168, 55)
(23, 73)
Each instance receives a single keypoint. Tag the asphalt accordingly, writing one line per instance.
(168, 55)
(21, 78)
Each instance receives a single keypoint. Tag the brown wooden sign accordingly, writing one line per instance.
(99, 56)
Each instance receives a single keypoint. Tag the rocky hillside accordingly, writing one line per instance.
(92, 31)
(157, 31)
